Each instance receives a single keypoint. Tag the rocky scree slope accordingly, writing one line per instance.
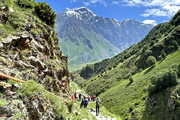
(134, 89)
(29, 51)
(85, 37)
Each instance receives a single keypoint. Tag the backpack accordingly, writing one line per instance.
(97, 103)
(86, 101)
(82, 101)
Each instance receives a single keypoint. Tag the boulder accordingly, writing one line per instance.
(15, 87)
(171, 103)
(40, 109)
(11, 10)
(36, 63)
(93, 110)
(1, 45)
(77, 113)
(12, 109)
(21, 65)
(37, 45)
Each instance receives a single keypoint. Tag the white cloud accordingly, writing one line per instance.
(94, 2)
(74, 0)
(115, 2)
(153, 22)
(156, 7)
(86, 3)
(154, 12)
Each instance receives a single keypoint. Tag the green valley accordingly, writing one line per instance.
(134, 87)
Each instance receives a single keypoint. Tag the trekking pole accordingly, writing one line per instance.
(10, 77)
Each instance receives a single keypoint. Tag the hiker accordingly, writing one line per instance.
(94, 97)
(82, 103)
(86, 102)
(97, 106)
(72, 97)
(89, 99)
(80, 96)
(77, 96)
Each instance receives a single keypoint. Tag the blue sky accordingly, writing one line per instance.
(147, 11)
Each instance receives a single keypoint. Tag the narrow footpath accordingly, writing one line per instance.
(100, 117)
(93, 112)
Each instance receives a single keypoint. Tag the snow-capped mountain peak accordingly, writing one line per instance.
(79, 13)
(84, 10)
(84, 31)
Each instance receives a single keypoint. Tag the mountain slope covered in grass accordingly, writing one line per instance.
(142, 82)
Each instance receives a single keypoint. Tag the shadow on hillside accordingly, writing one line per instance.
(129, 84)
(150, 112)
(148, 70)
(161, 61)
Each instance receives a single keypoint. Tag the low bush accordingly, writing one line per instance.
(30, 87)
(45, 13)
(26, 3)
(3, 102)
(151, 60)
(162, 81)
(70, 106)
(163, 54)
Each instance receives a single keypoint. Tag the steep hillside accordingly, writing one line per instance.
(34, 77)
(85, 37)
(133, 85)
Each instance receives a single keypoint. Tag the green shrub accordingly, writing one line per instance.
(176, 67)
(15, 21)
(128, 76)
(175, 44)
(161, 81)
(151, 60)
(3, 102)
(8, 3)
(45, 13)
(58, 105)
(70, 106)
(145, 48)
(131, 79)
(30, 87)
(178, 70)
(163, 54)
(176, 19)
(26, 3)
(17, 116)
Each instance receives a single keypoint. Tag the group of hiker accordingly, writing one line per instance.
(85, 100)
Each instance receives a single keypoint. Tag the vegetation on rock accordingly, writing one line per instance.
(45, 13)
(26, 3)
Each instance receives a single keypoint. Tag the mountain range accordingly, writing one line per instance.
(85, 37)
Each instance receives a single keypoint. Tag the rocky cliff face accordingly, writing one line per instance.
(30, 53)
(86, 37)
(30, 57)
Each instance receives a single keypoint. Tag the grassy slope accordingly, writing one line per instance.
(109, 78)
(106, 74)
(82, 54)
(134, 96)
